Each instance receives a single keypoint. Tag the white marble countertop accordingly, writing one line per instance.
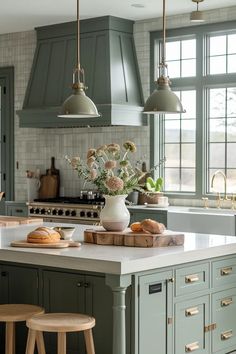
(113, 259)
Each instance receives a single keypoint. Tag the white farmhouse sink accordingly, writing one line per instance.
(208, 221)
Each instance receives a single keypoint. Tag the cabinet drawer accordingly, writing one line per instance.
(191, 279)
(191, 317)
(224, 272)
(223, 315)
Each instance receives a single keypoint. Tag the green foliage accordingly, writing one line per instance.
(154, 186)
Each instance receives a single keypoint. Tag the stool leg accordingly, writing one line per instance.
(61, 343)
(88, 336)
(31, 342)
(40, 343)
(10, 338)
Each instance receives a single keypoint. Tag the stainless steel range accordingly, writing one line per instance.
(84, 209)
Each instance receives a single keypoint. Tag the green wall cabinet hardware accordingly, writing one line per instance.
(109, 59)
(16, 209)
(139, 215)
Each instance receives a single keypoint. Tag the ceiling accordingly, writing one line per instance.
(23, 15)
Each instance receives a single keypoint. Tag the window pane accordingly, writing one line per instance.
(231, 43)
(231, 102)
(188, 155)
(172, 116)
(172, 154)
(231, 130)
(217, 102)
(188, 180)
(218, 65)
(188, 131)
(217, 155)
(217, 130)
(173, 68)
(188, 99)
(189, 49)
(231, 155)
(172, 131)
(172, 179)
(173, 50)
(217, 45)
(231, 63)
(188, 67)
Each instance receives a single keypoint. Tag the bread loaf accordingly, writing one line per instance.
(136, 227)
(152, 226)
(43, 235)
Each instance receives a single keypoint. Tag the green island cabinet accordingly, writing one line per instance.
(173, 310)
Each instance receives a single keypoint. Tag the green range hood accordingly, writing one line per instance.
(109, 59)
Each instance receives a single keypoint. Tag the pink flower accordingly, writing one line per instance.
(113, 148)
(74, 162)
(110, 164)
(90, 161)
(114, 184)
(91, 152)
(93, 174)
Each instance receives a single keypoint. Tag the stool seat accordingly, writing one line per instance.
(18, 312)
(61, 322)
(12, 313)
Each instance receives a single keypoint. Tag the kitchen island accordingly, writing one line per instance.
(164, 300)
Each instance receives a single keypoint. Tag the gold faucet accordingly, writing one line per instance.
(219, 172)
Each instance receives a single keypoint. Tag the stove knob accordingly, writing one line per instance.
(31, 210)
(37, 211)
(43, 211)
(67, 212)
(54, 212)
(60, 212)
(89, 214)
(73, 213)
(95, 215)
(49, 211)
(82, 214)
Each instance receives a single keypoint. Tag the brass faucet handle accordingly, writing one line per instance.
(219, 200)
(205, 199)
(233, 200)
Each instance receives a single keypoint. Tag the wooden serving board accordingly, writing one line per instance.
(18, 220)
(60, 244)
(133, 239)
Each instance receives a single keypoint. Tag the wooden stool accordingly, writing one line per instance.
(60, 323)
(11, 313)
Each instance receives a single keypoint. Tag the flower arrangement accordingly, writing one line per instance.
(108, 167)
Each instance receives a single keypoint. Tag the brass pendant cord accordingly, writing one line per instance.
(78, 38)
(164, 34)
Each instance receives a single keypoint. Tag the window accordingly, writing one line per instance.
(202, 68)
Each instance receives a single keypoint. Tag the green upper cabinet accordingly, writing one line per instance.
(111, 74)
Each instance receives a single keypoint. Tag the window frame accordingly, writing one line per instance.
(202, 81)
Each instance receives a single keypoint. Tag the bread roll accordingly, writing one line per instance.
(136, 227)
(152, 226)
(43, 235)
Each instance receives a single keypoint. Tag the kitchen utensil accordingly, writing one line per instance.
(65, 232)
(48, 187)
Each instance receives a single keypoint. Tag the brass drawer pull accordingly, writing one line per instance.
(191, 312)
(226, 335)
(191, 278)
(226, 302)
(191, 347)
(226, 271)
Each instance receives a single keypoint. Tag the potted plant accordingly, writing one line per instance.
(153, 191)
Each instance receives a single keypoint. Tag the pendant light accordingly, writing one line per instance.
(197, 16)
(78, 105)
(163, 100)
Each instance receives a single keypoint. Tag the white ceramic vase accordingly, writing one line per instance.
(115, 216)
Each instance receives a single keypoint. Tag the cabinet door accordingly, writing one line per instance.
(191, 317)
(17, 210)
(154, 311)
(224, 314)
(19, 285)
(64, 292)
